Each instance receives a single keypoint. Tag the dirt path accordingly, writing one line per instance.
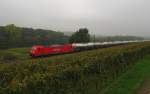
(145, 89)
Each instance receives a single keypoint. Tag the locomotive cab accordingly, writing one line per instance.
(36, 51)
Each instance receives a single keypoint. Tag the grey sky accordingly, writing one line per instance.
(104, 17)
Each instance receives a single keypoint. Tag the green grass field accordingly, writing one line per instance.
(131, 81)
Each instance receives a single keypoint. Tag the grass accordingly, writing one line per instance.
(132, 80)
(14, 54)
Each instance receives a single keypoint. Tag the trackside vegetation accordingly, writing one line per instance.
(131, 81)
(14, 54)
(80, 73)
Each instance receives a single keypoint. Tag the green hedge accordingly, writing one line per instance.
(80, 73)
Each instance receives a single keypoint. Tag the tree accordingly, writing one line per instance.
(81, 36)
(12, 32)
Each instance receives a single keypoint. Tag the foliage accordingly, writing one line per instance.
(80, 73)
(80, 36)
(12, 36)
(132, 80)
(8, 56)
(14, 54)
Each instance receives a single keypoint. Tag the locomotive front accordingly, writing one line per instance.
(36, 51)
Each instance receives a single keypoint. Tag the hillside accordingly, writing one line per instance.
(79, 73)
(12, 36)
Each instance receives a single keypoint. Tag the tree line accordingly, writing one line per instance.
(12, 36)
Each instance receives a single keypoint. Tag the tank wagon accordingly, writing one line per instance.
(40, 50)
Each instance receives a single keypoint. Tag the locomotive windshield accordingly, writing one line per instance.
(33, 48)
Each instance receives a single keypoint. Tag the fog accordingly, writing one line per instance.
(103, 17)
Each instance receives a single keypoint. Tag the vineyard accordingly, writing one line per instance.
(79, 73)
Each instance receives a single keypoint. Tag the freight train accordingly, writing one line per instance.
(40, 50)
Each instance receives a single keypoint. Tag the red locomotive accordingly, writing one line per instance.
(41, 50)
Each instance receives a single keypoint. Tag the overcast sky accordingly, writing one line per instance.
(104, 17)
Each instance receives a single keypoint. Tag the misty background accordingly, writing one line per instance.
(101, 17)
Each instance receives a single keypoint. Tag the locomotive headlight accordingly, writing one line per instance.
(33, 49)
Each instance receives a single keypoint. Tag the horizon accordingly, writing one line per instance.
(71, 32)
(129, 17)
